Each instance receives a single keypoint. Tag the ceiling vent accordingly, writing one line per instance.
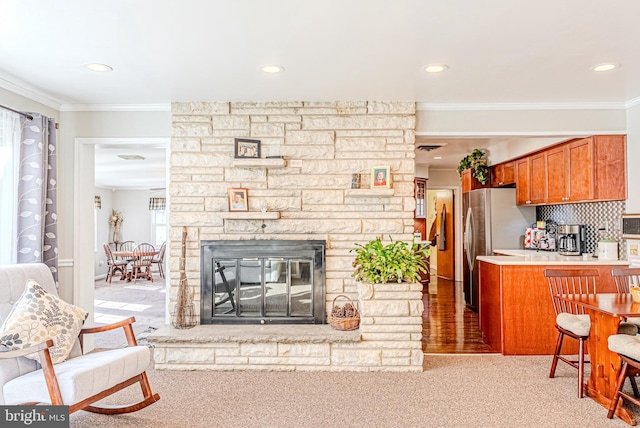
(131, 157)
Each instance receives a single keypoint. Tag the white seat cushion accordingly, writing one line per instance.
(81, 377)
(634, 320)
(626, 345)
(576, 324)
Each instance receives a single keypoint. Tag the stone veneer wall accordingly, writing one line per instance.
(323, 143)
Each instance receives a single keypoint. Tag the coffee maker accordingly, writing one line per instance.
(571, 239)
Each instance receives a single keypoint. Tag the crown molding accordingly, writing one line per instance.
(633, 102)
(519, 106)
(29, 92)
(116, 107)
(470, 134)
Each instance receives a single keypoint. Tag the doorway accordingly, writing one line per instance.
(84, 192)
(441, 226)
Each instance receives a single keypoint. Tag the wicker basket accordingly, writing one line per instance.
(345, 317)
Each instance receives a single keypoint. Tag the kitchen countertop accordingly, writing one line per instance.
(533, 257)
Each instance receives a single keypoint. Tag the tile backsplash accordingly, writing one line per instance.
(594, 215)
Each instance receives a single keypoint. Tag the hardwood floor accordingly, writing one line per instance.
(448, 326)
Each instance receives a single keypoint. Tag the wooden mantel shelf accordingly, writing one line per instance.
(251, 215)
(259, 163)
(368, 193)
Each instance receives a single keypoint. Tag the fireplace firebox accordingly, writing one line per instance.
(262, 281)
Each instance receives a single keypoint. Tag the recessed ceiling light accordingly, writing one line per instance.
(435, 68)
(607, 66)
(94, 66)
(437, 157)
(131, 157)
(272, 68)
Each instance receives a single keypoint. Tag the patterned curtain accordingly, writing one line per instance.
(157, 204)
(37, 188)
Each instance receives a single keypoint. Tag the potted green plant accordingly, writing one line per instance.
(397, 261)
(477, 161)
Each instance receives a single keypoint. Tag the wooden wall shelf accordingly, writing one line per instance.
(251, 215)
(259, 163)
(369, 193)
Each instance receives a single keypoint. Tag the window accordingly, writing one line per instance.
(158, 227)
(9, 161)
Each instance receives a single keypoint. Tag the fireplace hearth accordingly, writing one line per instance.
(262, 282)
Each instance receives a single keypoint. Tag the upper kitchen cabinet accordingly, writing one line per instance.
(503, 174)
(538, 180)
(610, 154)
(523, 181)
(580, 170)
(469, 182)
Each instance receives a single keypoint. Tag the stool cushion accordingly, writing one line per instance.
(634, 320)
(576, 324)
(628, 328)
(626, 345)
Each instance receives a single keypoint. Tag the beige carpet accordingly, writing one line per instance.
(144, 300)
(453, 391)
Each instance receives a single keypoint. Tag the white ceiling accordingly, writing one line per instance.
(498, 51)
(114, 172)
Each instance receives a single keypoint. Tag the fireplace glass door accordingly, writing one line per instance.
(288, 287)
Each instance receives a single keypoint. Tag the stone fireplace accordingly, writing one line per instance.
(305, 194)
(262, 282)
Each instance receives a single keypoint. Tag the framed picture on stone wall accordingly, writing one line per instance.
(381, 177)
(247, 149)
(238, 199)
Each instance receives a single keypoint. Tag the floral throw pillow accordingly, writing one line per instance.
(39, 315)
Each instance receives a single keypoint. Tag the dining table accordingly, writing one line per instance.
(128, 255)
(606, 311)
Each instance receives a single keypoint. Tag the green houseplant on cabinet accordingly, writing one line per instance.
(477, 162)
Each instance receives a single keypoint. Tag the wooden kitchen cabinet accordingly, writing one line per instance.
(523, 181)
(421, 198)
(580, 170)
(469, 182)
(516, 315)
(538, 178)
(556, 170)
(610, 158)
(503, 174)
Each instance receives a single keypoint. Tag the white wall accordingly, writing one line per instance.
(633, 155)
(134, 206)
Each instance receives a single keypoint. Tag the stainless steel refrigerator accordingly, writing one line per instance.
(492, 220)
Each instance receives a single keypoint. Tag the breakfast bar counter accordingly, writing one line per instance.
(515, 310)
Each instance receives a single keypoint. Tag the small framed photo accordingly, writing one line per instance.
(380, 177)
(247, 149)
(238, 199)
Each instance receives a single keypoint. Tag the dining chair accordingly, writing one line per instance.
(114, 265)
(628, 349)
(127, 246)
(623, 278)
(571, 319)
(159, 259)
(142, 260)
